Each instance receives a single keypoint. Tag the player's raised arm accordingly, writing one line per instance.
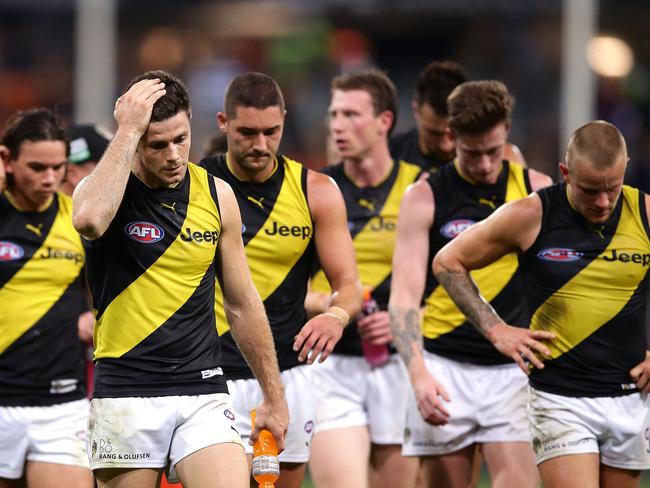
(97, 198)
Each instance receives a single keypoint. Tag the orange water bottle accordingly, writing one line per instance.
(266, 467)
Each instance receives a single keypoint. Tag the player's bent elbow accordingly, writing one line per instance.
(87, 225)
(438, 264)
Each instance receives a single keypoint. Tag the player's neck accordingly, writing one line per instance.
(371, 169)
(256, 175)
(22, 203)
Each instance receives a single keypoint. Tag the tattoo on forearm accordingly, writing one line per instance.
(405, 326)
(463, 291)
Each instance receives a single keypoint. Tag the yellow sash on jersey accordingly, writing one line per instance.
(167, 284)
(40, 283)
(375, 243)
(271, 257)
(441, 315)
(600, 291)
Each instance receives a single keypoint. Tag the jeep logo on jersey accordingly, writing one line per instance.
(453, 228)
(379, 223)
(145, 232)
(624, 257)
(200, 236)
(284, 230)
(62, 254)
(10, 251)
(559, 254)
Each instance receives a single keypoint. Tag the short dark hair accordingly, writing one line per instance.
(252, 89)
(436, 81)
(173, 101)
(379, 86)
(35, 125)
(598, 142)
(475, 107)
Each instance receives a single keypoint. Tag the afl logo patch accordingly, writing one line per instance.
(229, 414)
(10, 251)
(145, 232)
(455, 227)
(559, 254)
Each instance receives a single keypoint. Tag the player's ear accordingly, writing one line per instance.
(564, 171)
(222, 121)
(387, 119)
(450, 133)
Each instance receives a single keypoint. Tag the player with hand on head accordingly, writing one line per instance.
(159, 231)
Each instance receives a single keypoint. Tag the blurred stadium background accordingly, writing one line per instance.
(76, 55)
(566, 61)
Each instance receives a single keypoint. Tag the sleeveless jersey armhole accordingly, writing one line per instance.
(643, 212)
(546, 196)
(213, 193)
(303, 183)
(430, 182)
(529, 186)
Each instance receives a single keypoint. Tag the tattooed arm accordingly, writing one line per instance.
(512, 228)
(410, 262)
(407, 336)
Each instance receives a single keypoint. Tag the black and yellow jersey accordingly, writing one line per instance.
(277, 230)
(372, 220)
(458, 205)
(42, 360)
(152, 278)
(406, 147)
(587, 284)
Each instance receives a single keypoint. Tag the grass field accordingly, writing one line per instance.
(485, 481)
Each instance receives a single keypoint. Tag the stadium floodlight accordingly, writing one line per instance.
(610, 56)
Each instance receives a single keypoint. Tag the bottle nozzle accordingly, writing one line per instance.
(367, 295)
